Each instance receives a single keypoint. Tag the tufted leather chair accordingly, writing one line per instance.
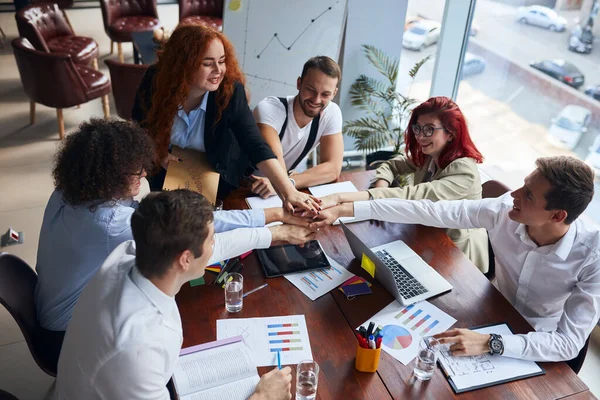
(125, 79)
(204, 12)
(62, 4)
(54, 80)
(47, 28)
(122, 17)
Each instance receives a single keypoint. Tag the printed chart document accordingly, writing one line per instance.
(332, 188)
(216, 370)
(263, 337)
(403, 327)
(315, 284)
(476, 372)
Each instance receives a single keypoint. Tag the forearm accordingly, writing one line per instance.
(233, 243)
(273, 215)
(541, 346)
(323, 173)
(272, 169)
(227, 220)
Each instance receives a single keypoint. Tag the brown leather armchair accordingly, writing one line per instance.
(125, 79)
(54, 80)
(204, 12)
(122, 17)
(47, 28)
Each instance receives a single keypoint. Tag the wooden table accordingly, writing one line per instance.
(332, 318)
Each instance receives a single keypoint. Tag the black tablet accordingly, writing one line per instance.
(288, 259)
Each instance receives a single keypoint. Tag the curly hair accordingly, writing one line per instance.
(453, 121)
(178, 62)
(95, 164)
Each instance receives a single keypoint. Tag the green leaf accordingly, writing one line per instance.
(415, 69)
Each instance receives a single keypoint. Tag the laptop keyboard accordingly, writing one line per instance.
(407, 285)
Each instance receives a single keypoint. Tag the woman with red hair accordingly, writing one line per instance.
(194, 97)
(443, 160)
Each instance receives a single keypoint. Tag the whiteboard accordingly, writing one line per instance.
(274, 38)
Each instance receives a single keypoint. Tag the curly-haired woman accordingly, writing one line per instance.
(194, 97)
(443, 160)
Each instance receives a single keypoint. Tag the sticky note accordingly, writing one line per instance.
(368, 265)
(197, 282)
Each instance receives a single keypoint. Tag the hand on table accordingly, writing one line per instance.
(262, 187)
(465, 342)
(291, 234)
(274, 385)
(167, 159)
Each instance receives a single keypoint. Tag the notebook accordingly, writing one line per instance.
(222, 369)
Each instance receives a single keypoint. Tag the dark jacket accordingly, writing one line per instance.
(233, 146)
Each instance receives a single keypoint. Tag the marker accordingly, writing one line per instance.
(372, 342)
(278, 360)
(255, 290)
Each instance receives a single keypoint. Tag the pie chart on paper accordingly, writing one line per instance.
(396, 337)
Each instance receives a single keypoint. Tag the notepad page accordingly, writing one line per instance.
(213, 368)
(239, 390)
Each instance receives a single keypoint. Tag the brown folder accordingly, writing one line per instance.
(193, 173)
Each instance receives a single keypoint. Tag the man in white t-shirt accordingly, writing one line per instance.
(295, 125)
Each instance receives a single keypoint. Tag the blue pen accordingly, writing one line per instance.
(278, 360)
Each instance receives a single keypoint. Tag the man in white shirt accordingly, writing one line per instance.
(547, 260)
(125, 335)
(295, 125)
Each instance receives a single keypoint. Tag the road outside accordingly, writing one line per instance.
(508, 115)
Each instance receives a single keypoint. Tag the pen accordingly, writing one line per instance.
(278, 360)
(227, 269)
(378, 342)
(370, 329)
(254, 290)
(371, 342)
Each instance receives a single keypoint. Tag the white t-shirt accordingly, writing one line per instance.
(271, 112)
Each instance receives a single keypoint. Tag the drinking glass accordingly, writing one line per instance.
(426, 358)
(307, 379)
(234, 290)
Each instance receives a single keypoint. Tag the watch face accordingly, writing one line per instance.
(496, 345)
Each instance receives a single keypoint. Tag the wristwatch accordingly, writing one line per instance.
(293, 182)
(496, 344)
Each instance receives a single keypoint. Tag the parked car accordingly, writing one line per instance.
(593, 91)
(472, 65)
(581, 39)
(541, 16)
(593, 159)
(421, 34)
(562, 70)
(410, 21)
(570, 124)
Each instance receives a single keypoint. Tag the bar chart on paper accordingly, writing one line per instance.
(315, 284)
(264, 337)
(402, 327)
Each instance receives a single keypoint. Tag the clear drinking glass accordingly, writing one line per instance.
(234, 290)
(307, 379)
(426, 358)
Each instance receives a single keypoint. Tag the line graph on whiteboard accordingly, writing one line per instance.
(274, 38)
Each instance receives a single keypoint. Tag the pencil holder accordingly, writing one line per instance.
(367, 360)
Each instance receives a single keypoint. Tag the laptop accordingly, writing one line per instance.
(400, 270)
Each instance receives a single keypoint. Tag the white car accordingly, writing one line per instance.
(570, 124)
(541, 16)
(593, 159)
(421, 34)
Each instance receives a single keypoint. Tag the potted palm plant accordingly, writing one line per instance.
(387, 111)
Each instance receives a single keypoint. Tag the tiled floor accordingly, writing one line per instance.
(26, 154)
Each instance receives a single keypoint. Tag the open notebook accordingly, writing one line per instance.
(217, 370)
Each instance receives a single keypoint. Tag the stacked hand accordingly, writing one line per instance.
(291, 234)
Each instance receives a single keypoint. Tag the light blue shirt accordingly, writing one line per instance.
(74, 242)
(187, 131)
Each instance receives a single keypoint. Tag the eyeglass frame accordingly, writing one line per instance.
(418, 130)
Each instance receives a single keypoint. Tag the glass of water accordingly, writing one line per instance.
(426, 358)
(307, 378)
(234, 290)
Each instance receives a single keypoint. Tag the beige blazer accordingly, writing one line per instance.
(459, 180)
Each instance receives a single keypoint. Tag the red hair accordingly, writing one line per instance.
(453, 121)
(178, 62)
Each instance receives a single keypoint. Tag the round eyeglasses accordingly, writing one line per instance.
(426, 130)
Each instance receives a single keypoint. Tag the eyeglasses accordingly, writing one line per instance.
(426, 130)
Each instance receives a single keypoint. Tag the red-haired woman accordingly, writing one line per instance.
(443, 160)
(194, 97)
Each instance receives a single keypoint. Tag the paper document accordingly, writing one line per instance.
(224, 371)
(474, 372)
(403, 327)
(257, 202)
(332, 188)
(315, 284)
(263, 337)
